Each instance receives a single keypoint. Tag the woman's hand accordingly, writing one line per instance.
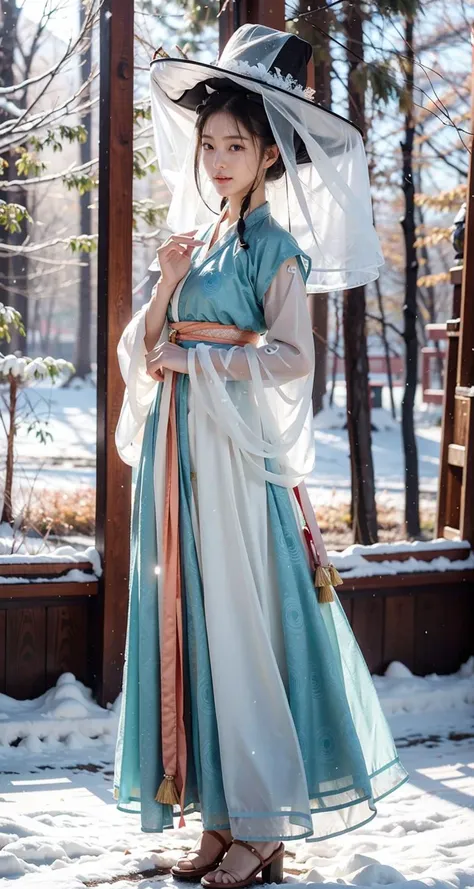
(174, 257)
(166, 355)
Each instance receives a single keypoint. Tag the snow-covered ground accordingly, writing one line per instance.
(60, 829)
(68, 460)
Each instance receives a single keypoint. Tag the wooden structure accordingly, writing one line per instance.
(455, 517)
(51, 627)
(426, 620)
(114, 300)
(455, 514)
(429, 354)
(46, 628)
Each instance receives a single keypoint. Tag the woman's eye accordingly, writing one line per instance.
(206, 146)
(237, 147)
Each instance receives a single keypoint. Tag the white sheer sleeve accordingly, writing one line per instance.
(261, 396)
(140, 388)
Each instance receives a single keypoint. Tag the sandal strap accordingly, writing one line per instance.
(250, 848)
(224, 846)
(217, 836)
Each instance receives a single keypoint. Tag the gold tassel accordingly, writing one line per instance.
(168, 792)
(336, 578)
(325, 594)
(322, 580)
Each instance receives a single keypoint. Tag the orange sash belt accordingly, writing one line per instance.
(173, 734)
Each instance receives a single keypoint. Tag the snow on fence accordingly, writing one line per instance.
(408, 602)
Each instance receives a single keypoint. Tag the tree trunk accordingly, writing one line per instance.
(430, 302)
(82, 357)
(337, 331)
(383, 337)
(13, 268)
(7, 511)
(412, 506)
(318, 305)
(363, 508)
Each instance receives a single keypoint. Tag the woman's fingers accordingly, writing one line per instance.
(156, 373)
(169, 249)
(184, 239)
(176, 251)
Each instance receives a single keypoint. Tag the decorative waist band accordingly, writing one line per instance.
(225, 334)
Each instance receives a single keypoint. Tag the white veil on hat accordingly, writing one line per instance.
(324, 198)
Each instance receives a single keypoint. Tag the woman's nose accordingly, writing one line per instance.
(219, 161)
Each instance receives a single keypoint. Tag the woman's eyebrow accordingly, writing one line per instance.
(244, 138)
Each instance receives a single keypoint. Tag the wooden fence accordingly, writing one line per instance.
(424, 620)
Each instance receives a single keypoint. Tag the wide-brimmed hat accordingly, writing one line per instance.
(324, 198)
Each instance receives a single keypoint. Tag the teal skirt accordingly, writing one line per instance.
(346, 758)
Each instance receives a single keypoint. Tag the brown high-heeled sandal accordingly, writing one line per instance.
(271, 869)
(195, 873)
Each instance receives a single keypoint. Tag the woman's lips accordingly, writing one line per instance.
(222, 178)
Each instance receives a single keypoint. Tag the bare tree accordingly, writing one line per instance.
(82, 358)
(410, 313)
(13, 268)
(363, 507)
(313, 24)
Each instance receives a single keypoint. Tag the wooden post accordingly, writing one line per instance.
(456, 480)
(258, 12)
(114, 311)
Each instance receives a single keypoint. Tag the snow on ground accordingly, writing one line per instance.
(68, 460)
(60, 828)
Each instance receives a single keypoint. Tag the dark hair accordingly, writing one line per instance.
(246, 109)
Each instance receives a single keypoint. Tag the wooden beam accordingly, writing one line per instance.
(456, 455)
(235, 13)
(41, 569)
(451, 533)
(114, 311)
(381, 584)
(421, 555)
(466, 519)
(465, 374)
(60, 589)
(264, 12)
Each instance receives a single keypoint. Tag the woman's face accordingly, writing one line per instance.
(231, 157)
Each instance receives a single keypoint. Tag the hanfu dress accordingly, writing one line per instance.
(285, 736)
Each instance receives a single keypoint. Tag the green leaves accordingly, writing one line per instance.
(147, 211)
(28, 164)
(83, 182)
(12, 215)
(10, 319)
(53, 138)
(83, 243)
(27, 370)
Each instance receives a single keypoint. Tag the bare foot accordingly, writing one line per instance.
(205, 852)
(239, 862)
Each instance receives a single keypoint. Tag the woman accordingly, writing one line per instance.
(246, 696)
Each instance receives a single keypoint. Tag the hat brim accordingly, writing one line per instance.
(184, 82)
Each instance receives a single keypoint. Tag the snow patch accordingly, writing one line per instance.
(400, 691)
(17, 551)
(65, 716)
(351, 562)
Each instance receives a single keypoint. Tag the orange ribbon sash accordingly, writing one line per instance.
(173, 734)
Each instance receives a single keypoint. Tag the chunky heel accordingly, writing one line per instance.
(271, 869)
(273, 872)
